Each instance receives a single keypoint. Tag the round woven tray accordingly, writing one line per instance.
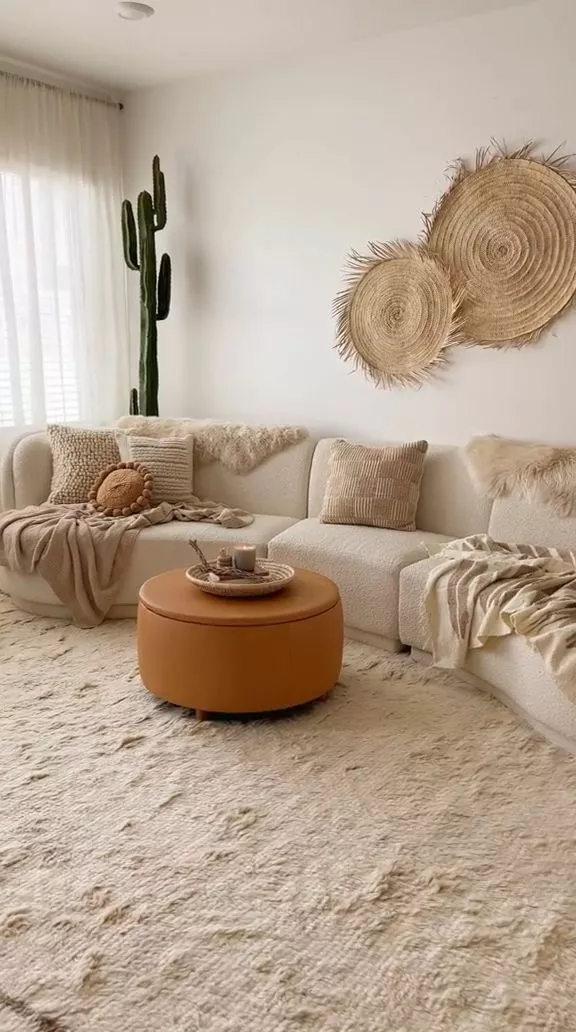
(278, 577)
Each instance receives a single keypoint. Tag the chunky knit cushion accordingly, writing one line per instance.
(170, 461)
(374, 487)
(78, 456)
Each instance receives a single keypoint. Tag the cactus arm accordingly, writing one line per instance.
(159, 194)
(134, 409)
(164, 287)
(129, 236)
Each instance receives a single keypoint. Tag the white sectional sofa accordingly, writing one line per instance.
(381, 573)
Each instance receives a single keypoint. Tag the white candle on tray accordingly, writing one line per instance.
(245, 558)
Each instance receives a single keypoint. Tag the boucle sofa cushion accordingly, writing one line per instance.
(374, 487)
(79, 454)
(170, 461)
(365, 563)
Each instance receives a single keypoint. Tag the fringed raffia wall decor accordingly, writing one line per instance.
(398, 314)
(506, 229)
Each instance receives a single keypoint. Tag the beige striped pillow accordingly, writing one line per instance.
(170, 461)
(374, 487)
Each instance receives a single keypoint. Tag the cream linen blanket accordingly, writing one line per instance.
(84, 555)
(483, 589)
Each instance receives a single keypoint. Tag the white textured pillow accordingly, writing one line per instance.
(170, 461)
(79, 454)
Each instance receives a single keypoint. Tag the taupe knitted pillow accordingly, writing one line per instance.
(374, 487)
(170, 461)
(79, 454)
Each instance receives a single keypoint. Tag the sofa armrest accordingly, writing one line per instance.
(26, 471)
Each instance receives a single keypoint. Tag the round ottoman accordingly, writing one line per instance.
(239, 655)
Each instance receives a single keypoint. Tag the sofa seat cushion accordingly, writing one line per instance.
(365, 563)
(159, 548)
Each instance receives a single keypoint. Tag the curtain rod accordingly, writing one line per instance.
(60, 89)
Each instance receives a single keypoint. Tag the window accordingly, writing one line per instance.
(38, 368)
(64, 352)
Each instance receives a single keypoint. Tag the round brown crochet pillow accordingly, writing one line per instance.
(122, 489)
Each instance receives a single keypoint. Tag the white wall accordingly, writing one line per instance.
(273, 174)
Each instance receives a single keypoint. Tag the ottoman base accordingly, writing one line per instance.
(240, 669)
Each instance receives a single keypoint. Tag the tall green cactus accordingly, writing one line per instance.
(140, 255)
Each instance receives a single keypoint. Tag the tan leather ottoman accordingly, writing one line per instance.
(239, 655)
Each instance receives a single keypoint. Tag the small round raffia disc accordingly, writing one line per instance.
(397, 315)
(507, 232)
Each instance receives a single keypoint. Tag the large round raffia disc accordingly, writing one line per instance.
(397, 314)
(507, 232)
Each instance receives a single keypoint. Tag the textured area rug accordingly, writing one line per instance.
(401, 858)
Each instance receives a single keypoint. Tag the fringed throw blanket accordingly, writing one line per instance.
(483, 589)
(237, 446)
(84, 555)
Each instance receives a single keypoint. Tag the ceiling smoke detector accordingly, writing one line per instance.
(133, 11)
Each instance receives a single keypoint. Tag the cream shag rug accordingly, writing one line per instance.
(401, 858)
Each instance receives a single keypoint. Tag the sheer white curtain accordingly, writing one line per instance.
(64, 352)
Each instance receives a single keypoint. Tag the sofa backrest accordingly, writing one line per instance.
(449, 503)
(528, 524)
(277, 487)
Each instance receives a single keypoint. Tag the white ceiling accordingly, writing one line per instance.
(87, 40)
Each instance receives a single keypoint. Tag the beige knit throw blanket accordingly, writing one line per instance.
(84, 555)
(483, 589)
(237, 446)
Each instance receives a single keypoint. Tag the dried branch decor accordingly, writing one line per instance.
(219, 572)
(398, 314)
(506, 229)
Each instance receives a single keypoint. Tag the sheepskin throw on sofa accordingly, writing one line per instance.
(397, 315)
(239, 447)
(539, 473)
(506, 229)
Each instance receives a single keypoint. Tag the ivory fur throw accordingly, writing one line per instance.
(538, 473)
(240, 448)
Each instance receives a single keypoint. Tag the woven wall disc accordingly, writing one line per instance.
(397, 314)
(507, 232)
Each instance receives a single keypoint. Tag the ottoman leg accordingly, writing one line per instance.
(201, 714)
